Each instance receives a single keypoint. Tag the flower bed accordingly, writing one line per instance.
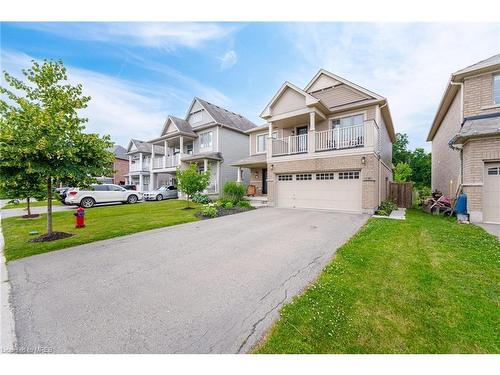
(223, 207)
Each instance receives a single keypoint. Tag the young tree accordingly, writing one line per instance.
(402, 173)
(24, 186)
(191, 182)
(43, 134)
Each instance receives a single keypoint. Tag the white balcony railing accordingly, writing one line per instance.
(162, 162)
(352, 136)
(295, 144)
(136, 167)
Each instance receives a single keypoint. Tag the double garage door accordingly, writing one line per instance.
(326, 190)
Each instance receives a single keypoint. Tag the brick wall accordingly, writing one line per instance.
(256, 179)
(121, 169)
(478, 94)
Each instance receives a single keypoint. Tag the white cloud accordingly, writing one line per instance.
(120, 108)
(407, 63)
(168, 35)
(228, 60)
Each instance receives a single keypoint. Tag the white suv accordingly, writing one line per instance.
(105, 193)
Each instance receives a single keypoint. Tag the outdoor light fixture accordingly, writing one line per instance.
(256, 175)
(363, 160)
(272, 166)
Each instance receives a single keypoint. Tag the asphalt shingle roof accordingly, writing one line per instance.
(225, 117)
(146, 147)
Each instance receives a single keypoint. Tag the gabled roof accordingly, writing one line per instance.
(144, 147)
(181, 125)
(309, 99)
(344, 81)
(488, 65)
(224, 117)
(120, 152)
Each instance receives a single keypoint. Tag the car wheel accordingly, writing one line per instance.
(87, 202)
(132, 199)
(159, 197)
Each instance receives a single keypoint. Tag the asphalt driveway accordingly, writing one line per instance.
(212, 286)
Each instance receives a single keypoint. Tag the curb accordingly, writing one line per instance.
(7, 325)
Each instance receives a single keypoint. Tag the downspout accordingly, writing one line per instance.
(461, 84)
(379, 173)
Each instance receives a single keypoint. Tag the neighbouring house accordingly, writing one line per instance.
(120, 167)
(465, 136)
(209, 136)
(327, 146)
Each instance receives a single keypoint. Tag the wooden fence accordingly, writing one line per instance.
(401, 193)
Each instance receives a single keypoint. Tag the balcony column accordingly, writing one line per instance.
(141, 184)
(152, 157)
(311, 138)
(129, 163)
(165, 153)
(205, 165)
(269, 145)
(238, 178)
(140, 162)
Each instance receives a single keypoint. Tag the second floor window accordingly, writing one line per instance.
(345, 122)
(262, 141)
(206, 140)
(496, 88)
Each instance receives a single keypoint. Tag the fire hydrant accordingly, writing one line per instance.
(80, 217)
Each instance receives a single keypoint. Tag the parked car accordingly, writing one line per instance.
(105, 193)
(164, 192)
(61, 193)
(129, 187)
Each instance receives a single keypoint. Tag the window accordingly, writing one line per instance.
(496, 88)
(303, 177)
(285, 177)
(495, 171)
(115, 188)
(100, 188)
(189, 149)
(196, 117)
(345, 122)
(262, 141)
(351, 175)
(206, 140)
(325, 176)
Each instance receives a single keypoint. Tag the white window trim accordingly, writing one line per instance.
(208, 148)
(496, 74)
(257, 141)
(337, 117)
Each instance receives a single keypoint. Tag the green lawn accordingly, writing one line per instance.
(33, 204)
(101, 223)
(424, 285)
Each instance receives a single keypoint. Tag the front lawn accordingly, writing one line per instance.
(55, 202)
(424, 285)
(101, 223)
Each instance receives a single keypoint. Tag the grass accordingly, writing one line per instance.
(101, 223)
(33, 204)
(424, 285)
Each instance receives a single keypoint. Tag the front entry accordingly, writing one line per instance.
(264, 181)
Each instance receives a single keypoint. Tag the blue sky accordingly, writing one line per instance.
(138, 73)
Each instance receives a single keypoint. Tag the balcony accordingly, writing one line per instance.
(163, 162)
(326, 140)
(137, 167)
(295, 144)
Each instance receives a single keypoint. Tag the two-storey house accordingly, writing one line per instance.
(210, 136)
(327, 146)
(465, 137)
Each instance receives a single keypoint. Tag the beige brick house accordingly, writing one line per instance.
(465, 137)
(327, 146)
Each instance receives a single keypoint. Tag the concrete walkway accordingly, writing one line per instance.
(12, 212)
(493, 229)
(212, 286)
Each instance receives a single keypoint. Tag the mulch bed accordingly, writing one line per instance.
(32, 216)
(52, 237)
(221, 211)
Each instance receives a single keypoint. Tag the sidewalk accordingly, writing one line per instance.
(11, 212)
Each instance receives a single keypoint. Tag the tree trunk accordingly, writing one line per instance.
(49, 205)
(28, 206)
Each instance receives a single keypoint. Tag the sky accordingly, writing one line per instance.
(139, 73)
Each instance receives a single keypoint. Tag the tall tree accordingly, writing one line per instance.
(42, 132)
(420, 163)
(400, 152)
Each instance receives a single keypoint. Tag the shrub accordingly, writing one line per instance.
(201, 198)
(244, 204)
(386, 207)
(228, 205)
(209, 210)
(234, 191)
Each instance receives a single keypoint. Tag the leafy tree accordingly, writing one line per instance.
(24, 186)
(191, 182)
(420, 163)
(402, 173)
(400, 152)
(43, 134)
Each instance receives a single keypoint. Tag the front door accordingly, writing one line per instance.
(302, 141)
(264, 181)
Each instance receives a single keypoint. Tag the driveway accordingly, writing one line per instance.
(212, 286)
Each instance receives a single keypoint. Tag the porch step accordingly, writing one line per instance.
(258, 202)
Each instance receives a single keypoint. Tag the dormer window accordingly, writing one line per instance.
(496, 88)
(196, 117)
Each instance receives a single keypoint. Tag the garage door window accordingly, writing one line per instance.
(285, 177)
(303, 177)
(495, 171)
(352, 175)
(325, 176)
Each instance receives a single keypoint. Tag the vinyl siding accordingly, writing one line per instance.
(339, 95)
(234, 147)
(289, 100)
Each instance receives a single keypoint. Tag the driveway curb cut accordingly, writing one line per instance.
(7, 333)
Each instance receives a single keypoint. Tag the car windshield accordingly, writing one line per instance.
(163, 188)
